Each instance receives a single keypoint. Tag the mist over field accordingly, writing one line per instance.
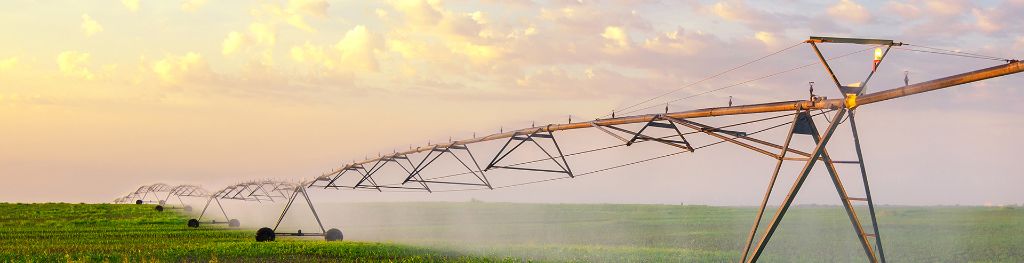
(606, 232)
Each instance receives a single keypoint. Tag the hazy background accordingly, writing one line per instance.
(98, 98)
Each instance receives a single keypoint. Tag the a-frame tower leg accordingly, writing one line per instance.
(299, 190)
(803, 125)
(867, 188)
(771, 184)
(801, 178)
(269, 234)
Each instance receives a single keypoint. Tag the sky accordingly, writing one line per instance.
(99, 97)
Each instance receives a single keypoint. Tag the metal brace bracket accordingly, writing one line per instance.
(544, 133)
(415, 175)
(638, 136)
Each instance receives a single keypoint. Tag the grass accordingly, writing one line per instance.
(499, 232)
(133, 233)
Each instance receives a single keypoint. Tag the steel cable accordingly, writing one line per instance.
(750, 80)
(956, 53)
(719, 74)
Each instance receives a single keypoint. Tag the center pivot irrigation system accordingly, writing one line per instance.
(684, 133)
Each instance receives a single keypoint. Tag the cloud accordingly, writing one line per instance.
(176, 69)
(408, 49)
(904, 10)
(294, 13)
(677, 42)
(947, 8)
(357, 48)
(309, 53)
(617, 37)
(455, 41)
(999, 19)
(355, 51)
(89, 26)
(75, 64)
(591, 17)
(950, 19)
(849, 10)
(493, 45)
(234, 42)
(765, 37)
(479, 54)
(419, 12)
(263, 34)
(132, 5)
(733, 11)
(317, 8)
(8, 63)
(261, 37)
(192, 5)
(259, 34)
(759, 20)
(984, 21)
(463, 26)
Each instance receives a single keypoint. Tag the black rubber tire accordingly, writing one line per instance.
(159, 208)
(193, 223)
(265, 234)
(333, 235)
(138, 202)
(234, 223)
(188, 208)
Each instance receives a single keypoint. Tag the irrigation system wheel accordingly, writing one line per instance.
(138, 202)
(159, 208)
(193, 223)
(265, 234)
(234, 223)
(333, 235)
(162, 202)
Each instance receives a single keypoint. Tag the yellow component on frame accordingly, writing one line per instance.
(851, 101)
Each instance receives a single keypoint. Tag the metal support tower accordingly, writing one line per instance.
(214, 198)
(269, 234)
(803, 124)
(300, 190)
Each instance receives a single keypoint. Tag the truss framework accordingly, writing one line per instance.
(413, 171)
(522, 138)
(142, 194)
(250, 191)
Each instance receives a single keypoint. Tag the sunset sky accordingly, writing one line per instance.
(98, 97)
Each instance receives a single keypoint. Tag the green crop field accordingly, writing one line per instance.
(499, 232)
(115, 233)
